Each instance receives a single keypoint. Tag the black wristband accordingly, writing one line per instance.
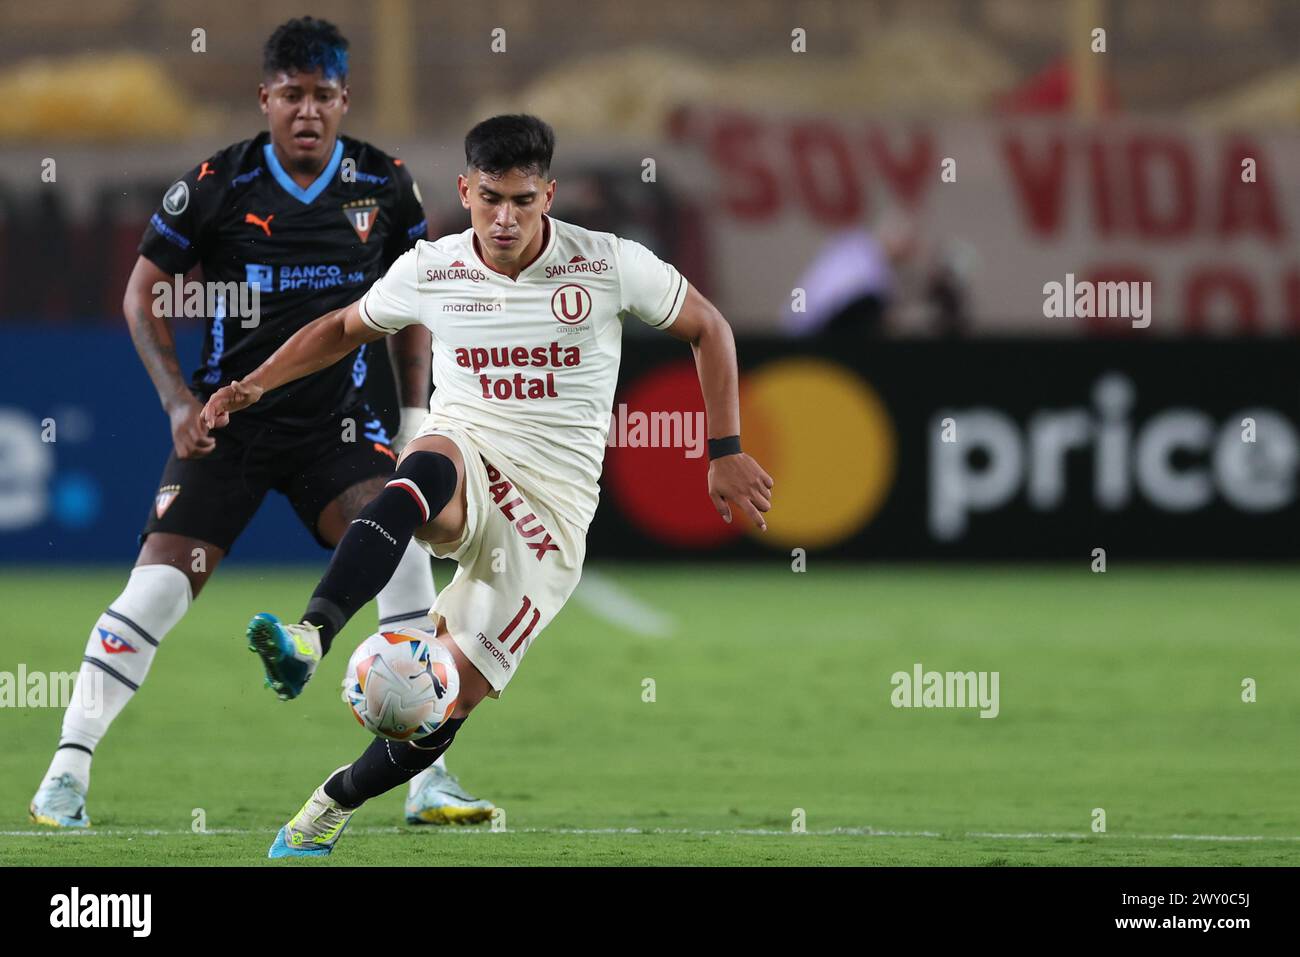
(728, 445)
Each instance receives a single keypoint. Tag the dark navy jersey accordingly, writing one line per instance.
(305, 251)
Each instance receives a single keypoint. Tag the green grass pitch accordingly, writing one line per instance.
(1120, 691)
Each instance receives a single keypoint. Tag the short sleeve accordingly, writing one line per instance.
(392, 303)
(172, 240)
(410, 224)
(652, 290)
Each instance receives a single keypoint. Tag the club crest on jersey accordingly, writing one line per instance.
(571, 304)
(166, 495)
(361, 215)
(114, 644)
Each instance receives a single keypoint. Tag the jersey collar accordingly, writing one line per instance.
(286, 182)
(547, 248)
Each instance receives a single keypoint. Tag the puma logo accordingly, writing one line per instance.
(264, 223)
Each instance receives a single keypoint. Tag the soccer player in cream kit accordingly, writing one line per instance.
(526, 317)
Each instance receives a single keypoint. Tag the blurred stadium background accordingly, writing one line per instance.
(873, 300)
(782, 182)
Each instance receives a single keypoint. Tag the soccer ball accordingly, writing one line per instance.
(401, 684)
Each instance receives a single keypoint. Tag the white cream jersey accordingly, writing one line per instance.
(527, 367)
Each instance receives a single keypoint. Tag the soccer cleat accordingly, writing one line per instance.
(441, 799)
(289, 653)
(315, 829)
(60, 802)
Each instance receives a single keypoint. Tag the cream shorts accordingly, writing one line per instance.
(518, 565)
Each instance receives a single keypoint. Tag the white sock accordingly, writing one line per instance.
(409, 594)
(417, 782)
(118, 655)
(406, 600)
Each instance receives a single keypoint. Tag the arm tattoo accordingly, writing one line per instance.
(157, 354)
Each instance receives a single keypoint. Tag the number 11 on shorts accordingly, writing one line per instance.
(514, 623)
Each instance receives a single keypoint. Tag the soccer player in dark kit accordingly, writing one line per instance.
(295, 222)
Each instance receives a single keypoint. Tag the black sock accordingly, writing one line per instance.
(374, 543)
(386, 764)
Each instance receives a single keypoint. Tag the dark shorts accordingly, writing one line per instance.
(213, 498)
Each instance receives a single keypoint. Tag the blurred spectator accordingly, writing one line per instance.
(867, 282)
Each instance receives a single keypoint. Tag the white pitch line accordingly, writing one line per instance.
(651, 831)
(1140, 837)
(613, 603)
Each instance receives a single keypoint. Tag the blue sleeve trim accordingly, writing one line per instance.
(167, 233)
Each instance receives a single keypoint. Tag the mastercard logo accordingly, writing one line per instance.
(818, 429)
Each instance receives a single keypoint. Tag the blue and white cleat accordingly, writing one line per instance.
(439, 798)
(289, 653)
(60, 802)
(315, 829)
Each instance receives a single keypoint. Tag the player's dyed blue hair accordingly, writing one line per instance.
(516, 141)
(304, 45)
